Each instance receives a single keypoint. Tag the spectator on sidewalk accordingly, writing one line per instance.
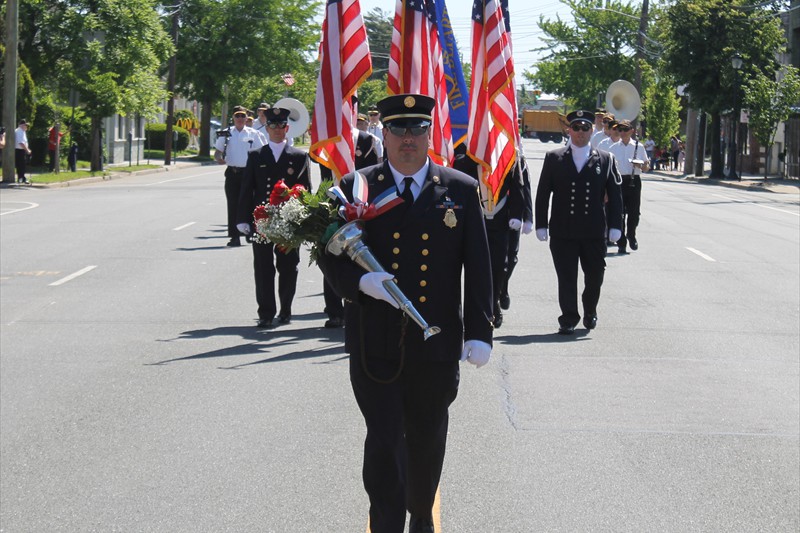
(21, 150)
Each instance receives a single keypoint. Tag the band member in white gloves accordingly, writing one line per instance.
(404, 384)
(578, 177)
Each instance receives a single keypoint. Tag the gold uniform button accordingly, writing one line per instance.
(423, 283)
(425, 251)
(395, 266)
(424, 236)
(423, 267)
(395, 251)
(396, 235)
(422, 299)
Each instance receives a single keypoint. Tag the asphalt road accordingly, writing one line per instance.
(136, 395)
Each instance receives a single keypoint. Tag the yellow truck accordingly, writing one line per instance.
(544, 125)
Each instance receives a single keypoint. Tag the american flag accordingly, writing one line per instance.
(345, 63)
(493, 118)
(288, 79)
(415, 66)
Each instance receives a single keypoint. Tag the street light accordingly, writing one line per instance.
(736, 63)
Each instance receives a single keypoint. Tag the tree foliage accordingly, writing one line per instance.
(662, 107)
(587, 55)
(380, 25)
(770, 102)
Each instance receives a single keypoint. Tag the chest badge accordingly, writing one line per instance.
(290, 171)
(597, 169)
(450, 219)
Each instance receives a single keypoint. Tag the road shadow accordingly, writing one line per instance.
(257, 341)
(542, 338)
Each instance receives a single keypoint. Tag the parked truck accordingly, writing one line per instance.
(544, 125)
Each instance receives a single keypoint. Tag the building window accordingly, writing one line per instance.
(120, 127)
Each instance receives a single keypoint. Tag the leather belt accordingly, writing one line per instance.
(237, 169)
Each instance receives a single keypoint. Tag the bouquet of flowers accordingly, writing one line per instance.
(294, 216)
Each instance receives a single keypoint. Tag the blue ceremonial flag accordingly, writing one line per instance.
(457, 93)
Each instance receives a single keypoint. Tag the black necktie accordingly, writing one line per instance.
(407, 195)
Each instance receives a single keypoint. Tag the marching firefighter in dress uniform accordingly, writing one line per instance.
(266, 167)
(578, 177)
(505, 215)
(402, 383)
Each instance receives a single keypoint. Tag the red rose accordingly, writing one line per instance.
(297, 191)
(260, 212)
(280, 193)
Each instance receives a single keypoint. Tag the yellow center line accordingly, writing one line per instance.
(437, 514)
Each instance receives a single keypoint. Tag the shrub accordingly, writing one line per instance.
(155, 137)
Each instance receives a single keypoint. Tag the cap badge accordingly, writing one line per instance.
(276, 111)
(579, 113)
(409, 101)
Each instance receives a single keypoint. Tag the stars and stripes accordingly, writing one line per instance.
(415, 66)
(493, 119)
(345, 63)
(288, 79)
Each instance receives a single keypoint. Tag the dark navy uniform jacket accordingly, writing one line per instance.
(427, 257)
(263, 172)
(578, 207)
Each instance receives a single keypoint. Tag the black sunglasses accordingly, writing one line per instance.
(581, 126)
(276, 125)
(624, 128)
(400, 131)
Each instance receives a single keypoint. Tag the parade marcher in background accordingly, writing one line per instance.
(21, 150)
(626, 152)
(375, 127)
(506, 215)
(601, 120)
(260, 124)
(402, 383)
(612, 136)
(274, 162)
(514, 235)
(369, 146)
(232, 147)
(249, 120)
(578, 177)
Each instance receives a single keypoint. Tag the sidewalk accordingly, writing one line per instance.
(748, 181)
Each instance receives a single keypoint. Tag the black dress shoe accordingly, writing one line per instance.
(284, 319)
(498, 316)
(622, 250)
(505, 301)
(590, 321)
(265, 323)
(420, 525)
(566, 330)
(634, 243)
(334, 322)
(234, 242)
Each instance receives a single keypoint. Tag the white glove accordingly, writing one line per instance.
(371, 284)
(476, 352)
(243, 228)
(614, 234)
(541, 234)
(527, 227)
(515, 224)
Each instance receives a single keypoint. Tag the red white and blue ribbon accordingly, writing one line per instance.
(359, 208)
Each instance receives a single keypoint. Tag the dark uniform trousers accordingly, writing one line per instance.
(260, 177)
(233, 187)
(631, 203)
(20, 162)
(264, 269)
(567, 253)
(402, 383)
(497, 234)
(577, 224)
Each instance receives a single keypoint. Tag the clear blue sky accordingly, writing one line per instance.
(525, 31)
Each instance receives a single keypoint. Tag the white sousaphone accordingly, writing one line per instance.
(622, 99)
(298, 116)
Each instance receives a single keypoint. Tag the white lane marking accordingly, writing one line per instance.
(701, 254)
(31, 205)
(74, 275)
(181, 179)
(184, 226)
(738, 201)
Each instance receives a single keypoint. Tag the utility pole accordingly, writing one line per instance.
(640, 45)
(10, 89)
(173, 63)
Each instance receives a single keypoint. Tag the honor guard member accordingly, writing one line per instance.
(265, 168)
(505, 215)
(368, 152)
(514, 235)
(232, 146)
(578, 177)
(404, 384)
(631, 161)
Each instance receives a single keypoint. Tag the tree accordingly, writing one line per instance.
(770, 102)
(662, 110)
(222, 42)
(380, 25)
(587, 56)
(701, 38)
